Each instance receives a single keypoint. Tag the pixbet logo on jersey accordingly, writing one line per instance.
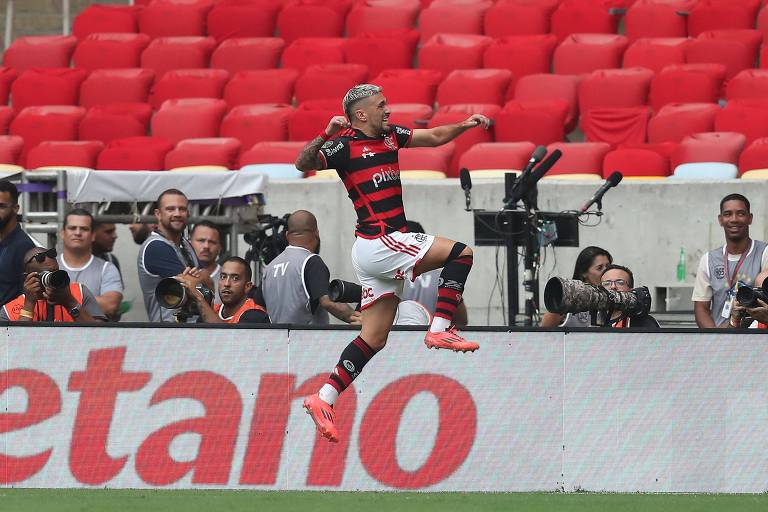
(385, 175)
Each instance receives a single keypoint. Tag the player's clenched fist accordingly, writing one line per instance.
(337, 123)
(477, 120)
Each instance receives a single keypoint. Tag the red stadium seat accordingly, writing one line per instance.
(655, 54)
(340, 6)
(654, 20)
(426, 158)
(611, 88)
(81, 153)
(762, 22)
(188, 83)
(748, 116)
(378, 53)
(311, 51)
(709, 147)
(7, 77)
(257, 123)
(466, 18)
(719, 14)
(174, 18)
(11, 147)
(522, 55)
(616, 125)
(99, 51)
(100, 18)
(446, 52)
(749, 83)
(755, 156)
(675, 121)
(135, 154)
(39, 123)
(515, 18)
(582, 17)
(686, 83)
(272, 153)
(262, 86)
(168, 53)
(732, 53)
(242, 54)
(105, 86)
(414, 115)
(233, 18)
(540, 122)
(368, 16)
(305, 124)
(223, 151)
(450, 114)
(584, 53)
(512, 156)
(188, 118)
(329, 81)
(579, 158)
(302, 21)
(6, 116)
(40, 52)
(635, 162)
(546, 87)
(474, 86)
(409, 85)
(115, 121)
(55, 86)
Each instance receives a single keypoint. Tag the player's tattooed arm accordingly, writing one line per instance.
(309, 158)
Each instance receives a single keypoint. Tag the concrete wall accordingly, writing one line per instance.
(644, 226)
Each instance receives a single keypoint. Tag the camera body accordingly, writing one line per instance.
(170, 294)
(748, 295)
(573, 296)
(56, 279)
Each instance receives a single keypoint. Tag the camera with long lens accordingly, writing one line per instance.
(268, 240)
(344, 291)
(56, 279)
(748, 295)
(171, 294)
(573, 296)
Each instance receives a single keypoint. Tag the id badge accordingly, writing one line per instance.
(727, 306)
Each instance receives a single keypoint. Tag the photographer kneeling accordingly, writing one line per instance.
(234, 286)
(49, 296)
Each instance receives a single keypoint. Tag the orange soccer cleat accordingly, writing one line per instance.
(323, 416)
(451, 340)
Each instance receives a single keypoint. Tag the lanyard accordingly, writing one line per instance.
(732, 280)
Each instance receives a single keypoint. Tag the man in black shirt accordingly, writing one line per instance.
(14, 243)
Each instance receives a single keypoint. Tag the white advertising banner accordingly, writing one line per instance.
(181, 408)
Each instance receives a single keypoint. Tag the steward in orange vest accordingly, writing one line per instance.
(248, 305)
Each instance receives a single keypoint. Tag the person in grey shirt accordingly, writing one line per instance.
(166, 253)
(101, 277)
(295, 283)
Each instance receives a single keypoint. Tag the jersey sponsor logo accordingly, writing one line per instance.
(389, 143)
(385, 175)
(282, 267)
(402, 131)
(367, 293)
(328, 144)
(367, 152)
(332, 151)
(719, 272)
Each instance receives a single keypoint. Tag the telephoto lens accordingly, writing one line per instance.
(573, 296)
(344, 291)
(57, 279)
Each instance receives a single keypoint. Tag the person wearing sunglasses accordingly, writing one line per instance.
(14, 243)
(621, 279)
(72, 303)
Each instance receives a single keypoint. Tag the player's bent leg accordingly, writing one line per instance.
(377, 321)
(456, 260)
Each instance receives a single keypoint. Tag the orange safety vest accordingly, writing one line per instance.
(761, 325)
(60, 313)
(248, 305)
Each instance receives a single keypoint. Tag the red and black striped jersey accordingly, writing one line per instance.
(370, 171)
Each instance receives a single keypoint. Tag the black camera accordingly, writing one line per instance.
(344, 291)
(748, 295)
(268, 240)
(57, 279)
(172, 295)
(572, 296)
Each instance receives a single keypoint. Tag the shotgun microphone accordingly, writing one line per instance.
(613, 180)
(466, 185)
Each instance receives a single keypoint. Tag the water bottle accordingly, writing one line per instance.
(681, 267)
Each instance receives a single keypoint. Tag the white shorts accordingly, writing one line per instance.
(382, 264)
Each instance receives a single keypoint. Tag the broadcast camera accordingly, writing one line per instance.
(268, 240)
(747, 295)
(57, 279)
(171, 294)
(573, 296)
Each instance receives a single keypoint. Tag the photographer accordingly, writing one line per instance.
(60, 301)
(14, 243)
(621, 279)
(234, 286)
(295, 284)
(754, 316)
(205, 239)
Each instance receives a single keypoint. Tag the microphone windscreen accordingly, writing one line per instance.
(465, 179)
(539, 153)
(615, 178)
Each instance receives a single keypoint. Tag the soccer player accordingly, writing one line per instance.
(363, 147)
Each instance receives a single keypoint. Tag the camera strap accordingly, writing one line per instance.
(732, 279)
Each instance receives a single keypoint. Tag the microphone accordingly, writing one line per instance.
(526, 182)
(613, 180)
(538, 153)
(466, 185)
